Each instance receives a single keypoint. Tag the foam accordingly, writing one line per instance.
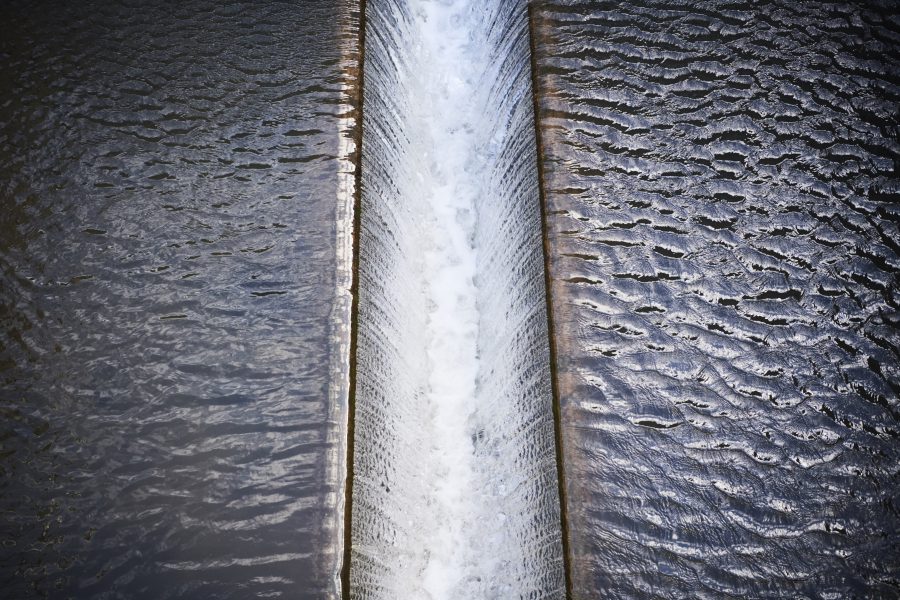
(454, 489)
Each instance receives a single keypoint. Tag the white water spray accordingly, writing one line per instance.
(454, 491)
(452, 179)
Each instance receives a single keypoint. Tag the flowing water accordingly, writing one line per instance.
(455, 490)
(173, 297)
(176, 209)
(722, 190)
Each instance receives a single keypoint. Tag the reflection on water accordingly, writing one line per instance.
(169, 178)
(722, 190)
(723, 224)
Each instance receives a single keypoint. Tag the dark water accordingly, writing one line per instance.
(723, 186)
(173, 297)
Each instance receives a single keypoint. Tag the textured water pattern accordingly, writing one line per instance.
(173, 297)
(722, 186)
(437, 189)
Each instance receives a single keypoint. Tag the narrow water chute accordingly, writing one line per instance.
(455, 479)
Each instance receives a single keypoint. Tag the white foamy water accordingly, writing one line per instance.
(452, 175)
(454, 492)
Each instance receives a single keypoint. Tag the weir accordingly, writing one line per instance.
(454, 474)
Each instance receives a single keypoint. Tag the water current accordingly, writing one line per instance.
(455, 489)
(177, 184)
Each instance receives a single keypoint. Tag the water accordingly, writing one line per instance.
(173, 297)
(722, 191)
(176, 184)
(455, 491)
(449, 138)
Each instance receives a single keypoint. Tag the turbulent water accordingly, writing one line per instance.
(721, 195)
(722, 189)
(173, 297)
(455, 490)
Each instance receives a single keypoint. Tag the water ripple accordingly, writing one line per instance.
(169, 299)
(722, 207)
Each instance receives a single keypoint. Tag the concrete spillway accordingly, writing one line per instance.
(454, 489)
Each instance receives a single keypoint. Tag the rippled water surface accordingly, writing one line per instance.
(722, 187)
(171, 325)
